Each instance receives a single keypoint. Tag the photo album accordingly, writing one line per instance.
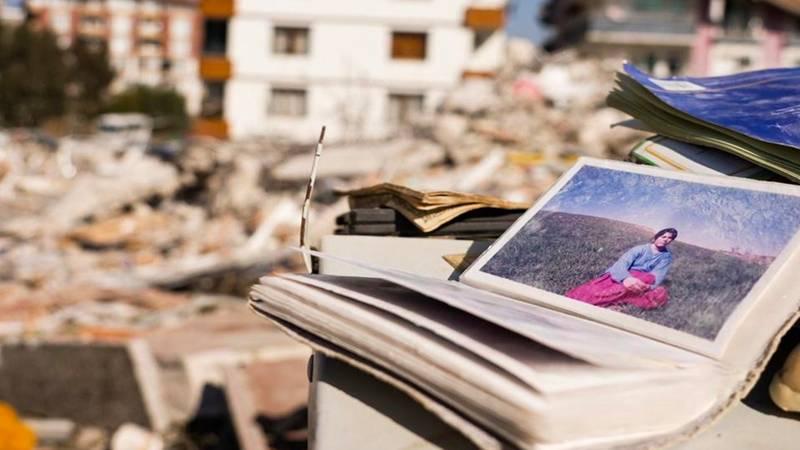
(624, 290)
(676, 257)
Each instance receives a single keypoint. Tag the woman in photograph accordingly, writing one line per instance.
(635, 278)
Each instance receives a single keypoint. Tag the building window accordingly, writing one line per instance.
(290, 41)
(664, 7)
(287, 102)
(479, 37)
(215, 41)
(675, 64)
(213, 103)
(743, 62)
(794, 28)
(739, 19)
(404, 107)
(94, 43)
(408, 45)
(92, 21)
(150, 45)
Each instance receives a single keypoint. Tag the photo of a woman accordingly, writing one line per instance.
(635, 278)
(608, 237)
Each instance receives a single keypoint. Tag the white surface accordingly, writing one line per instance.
(747, 428)
(417, 255)
(348, 71)
(349, 409)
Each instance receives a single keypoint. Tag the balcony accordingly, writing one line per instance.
(217, 8)
(217, 128)
(215, 68)
(484, 18)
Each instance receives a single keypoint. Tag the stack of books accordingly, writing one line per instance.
(426, 211)
(477, 224)
(729, 124)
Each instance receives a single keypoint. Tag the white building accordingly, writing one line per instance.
(152, 42)
(361, 67)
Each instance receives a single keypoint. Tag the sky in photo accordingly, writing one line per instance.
(715, 217)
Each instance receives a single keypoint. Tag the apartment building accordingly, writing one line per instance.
(153, 42)
(698, 37)
(361, 67)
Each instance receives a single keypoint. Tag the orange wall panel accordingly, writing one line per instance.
(485, 18)
(215, 68)
(217, 8)
(217, 128)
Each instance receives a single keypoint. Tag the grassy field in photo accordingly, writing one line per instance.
(557, 251)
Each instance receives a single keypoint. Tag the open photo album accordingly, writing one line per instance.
(672, 256)
(628, 308)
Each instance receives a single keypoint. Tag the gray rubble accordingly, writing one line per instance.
(213, 215)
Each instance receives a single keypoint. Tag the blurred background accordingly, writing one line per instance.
(154, 156)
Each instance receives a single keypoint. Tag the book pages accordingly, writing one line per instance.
(586, 340)
(547, 371)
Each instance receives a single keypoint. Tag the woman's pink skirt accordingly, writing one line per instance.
(604, 291)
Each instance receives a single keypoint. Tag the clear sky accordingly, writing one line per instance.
(714, 217)
(523, 20)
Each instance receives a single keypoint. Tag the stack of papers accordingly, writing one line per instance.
(752, 115)
(668, 153)
(426, 210)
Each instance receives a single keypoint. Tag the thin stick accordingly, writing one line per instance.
(307, 201)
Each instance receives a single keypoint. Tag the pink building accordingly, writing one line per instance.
(696, 37)
(152, 42)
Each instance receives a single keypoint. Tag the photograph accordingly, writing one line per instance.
(675, 253)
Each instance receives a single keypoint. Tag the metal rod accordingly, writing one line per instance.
(307, 201)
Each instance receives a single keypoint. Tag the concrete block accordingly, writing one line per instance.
(100, 384)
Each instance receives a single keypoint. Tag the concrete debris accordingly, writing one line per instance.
(93, 196)
(363, 159)
(97, 385)
(55, 431)
(91, 438)
(271, 392)
(130, 436)
(134, 230)
(473, 97)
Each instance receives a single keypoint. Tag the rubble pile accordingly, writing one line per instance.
(133, 247)
(103, 244)
(511, 136)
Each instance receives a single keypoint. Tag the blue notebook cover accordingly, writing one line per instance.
(763, 104)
